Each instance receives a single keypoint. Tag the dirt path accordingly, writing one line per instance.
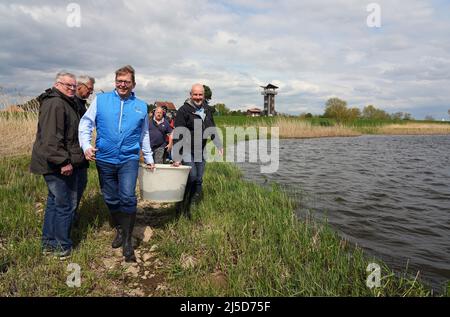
(146, 277)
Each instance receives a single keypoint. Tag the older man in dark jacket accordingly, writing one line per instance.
(57, 156)
(195, 116)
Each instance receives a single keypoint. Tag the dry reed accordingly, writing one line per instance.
(293, 128)
(18, 134)
(415, 129)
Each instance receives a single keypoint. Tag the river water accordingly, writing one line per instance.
(390, 195)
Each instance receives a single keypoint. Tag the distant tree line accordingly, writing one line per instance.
(337, 109)
(222, 110)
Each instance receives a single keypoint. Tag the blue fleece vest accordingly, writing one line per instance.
(119, 127)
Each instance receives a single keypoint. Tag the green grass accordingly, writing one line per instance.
(243, 240)
(24, 271)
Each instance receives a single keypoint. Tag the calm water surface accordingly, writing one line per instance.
(388, 194)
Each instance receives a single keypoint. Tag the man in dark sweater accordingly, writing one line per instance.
(85, 87)
(196, 117)
(57, 156)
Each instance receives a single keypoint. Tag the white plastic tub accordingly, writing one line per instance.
(164, 184)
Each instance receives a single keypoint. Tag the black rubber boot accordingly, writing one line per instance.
(117, 223)
(196, 198)
(76, 220)
(184, 207)
(193, 202)
(179, 208)
(187, 210)
(128, 221)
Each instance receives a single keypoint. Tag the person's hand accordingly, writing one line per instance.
(169, 147)
(67, 170)
(220, 151)
(90, 154)
(176, 164)
(150, 166)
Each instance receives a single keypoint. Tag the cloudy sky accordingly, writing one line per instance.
(311, 49)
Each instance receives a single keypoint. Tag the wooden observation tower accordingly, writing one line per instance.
(269, 94)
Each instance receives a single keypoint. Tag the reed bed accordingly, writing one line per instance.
(413, 128)
(18, 131)
(294, 128)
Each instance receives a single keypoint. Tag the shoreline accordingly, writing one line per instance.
(300, 195)
(295, 246)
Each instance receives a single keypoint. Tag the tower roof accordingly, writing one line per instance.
(270, 86)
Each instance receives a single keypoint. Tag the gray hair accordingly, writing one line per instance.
(64, 74)
(85, 79)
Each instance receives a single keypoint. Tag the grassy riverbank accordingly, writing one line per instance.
(294, 127)
(243, 240)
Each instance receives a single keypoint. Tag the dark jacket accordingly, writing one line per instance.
(158, 133)
(185, 118)
(56, 142)
(81, 105)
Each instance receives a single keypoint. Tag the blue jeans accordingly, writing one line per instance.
(61, 205)
(195, 179)
(118, 185)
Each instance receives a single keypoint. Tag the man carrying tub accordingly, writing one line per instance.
(122, 123)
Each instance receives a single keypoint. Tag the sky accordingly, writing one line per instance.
(313, 50)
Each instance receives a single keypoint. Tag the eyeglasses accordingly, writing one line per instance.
(123, 82)
(91, 90)
(69, 86)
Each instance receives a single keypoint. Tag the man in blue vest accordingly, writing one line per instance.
(121, 121)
